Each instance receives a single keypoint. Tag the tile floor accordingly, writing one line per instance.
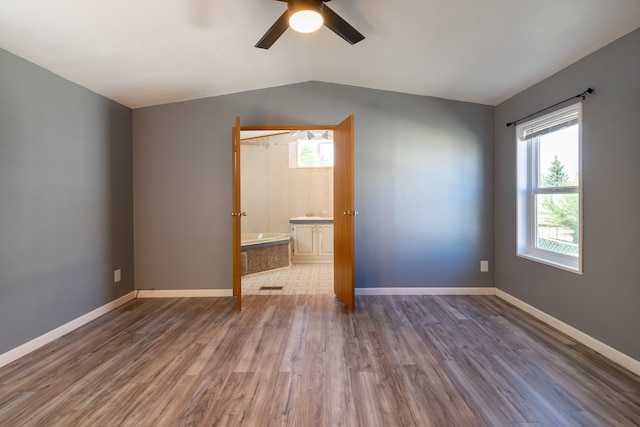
(298, 279)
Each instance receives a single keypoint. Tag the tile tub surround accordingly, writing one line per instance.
(266, 256)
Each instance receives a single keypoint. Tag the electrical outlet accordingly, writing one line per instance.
(117, 275)
(484, 266)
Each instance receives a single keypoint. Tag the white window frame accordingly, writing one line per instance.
(528, 188)
(295, 152)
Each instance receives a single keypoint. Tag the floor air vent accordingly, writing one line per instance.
(271, 288)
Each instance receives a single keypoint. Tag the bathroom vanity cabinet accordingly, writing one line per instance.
(312, 240)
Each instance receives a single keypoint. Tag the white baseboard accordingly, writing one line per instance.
(602, 348)
(56, 333)
(425, 291)
(184, 293)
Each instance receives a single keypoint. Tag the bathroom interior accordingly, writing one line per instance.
(286, 186)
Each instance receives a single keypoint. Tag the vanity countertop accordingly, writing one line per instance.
(311, 220)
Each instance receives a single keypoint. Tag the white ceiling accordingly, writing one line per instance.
(148, 52)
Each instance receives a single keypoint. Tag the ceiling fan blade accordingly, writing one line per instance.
(273, 33)
(335, 23)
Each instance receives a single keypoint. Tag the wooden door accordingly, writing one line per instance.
(344, 214)
(236, 215)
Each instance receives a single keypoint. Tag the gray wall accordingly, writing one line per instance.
(604, 301)
(423, 184)
(65, 201)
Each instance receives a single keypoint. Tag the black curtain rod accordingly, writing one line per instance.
(580, 95)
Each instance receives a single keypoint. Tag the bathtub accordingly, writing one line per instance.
(258, 239)
(264, 251)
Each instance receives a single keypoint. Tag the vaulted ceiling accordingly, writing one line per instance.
(148, 52)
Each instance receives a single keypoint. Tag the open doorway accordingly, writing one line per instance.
(344, 212)
(287, 191)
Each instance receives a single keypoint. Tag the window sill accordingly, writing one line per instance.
(556, 264)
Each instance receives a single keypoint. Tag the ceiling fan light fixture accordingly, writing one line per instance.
(305, 16)
(298, 15)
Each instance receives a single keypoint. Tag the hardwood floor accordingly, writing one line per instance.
(303, 360)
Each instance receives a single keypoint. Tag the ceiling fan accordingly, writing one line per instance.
(308, 16)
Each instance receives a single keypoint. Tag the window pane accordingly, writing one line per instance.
(558, 158)
(557, 223)
(307, 154)
(313, 153)
(326, 154)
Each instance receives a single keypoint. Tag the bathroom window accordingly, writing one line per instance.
(313, 151)
(550, 189)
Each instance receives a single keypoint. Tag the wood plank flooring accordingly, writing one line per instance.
(303, 360)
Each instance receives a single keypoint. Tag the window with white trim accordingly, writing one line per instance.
(314, 150)
(550, 189)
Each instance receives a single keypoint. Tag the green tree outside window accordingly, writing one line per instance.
(564, 211)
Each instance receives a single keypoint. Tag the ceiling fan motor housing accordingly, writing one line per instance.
(294, 6)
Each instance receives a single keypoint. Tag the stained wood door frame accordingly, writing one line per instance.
(237, 214)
